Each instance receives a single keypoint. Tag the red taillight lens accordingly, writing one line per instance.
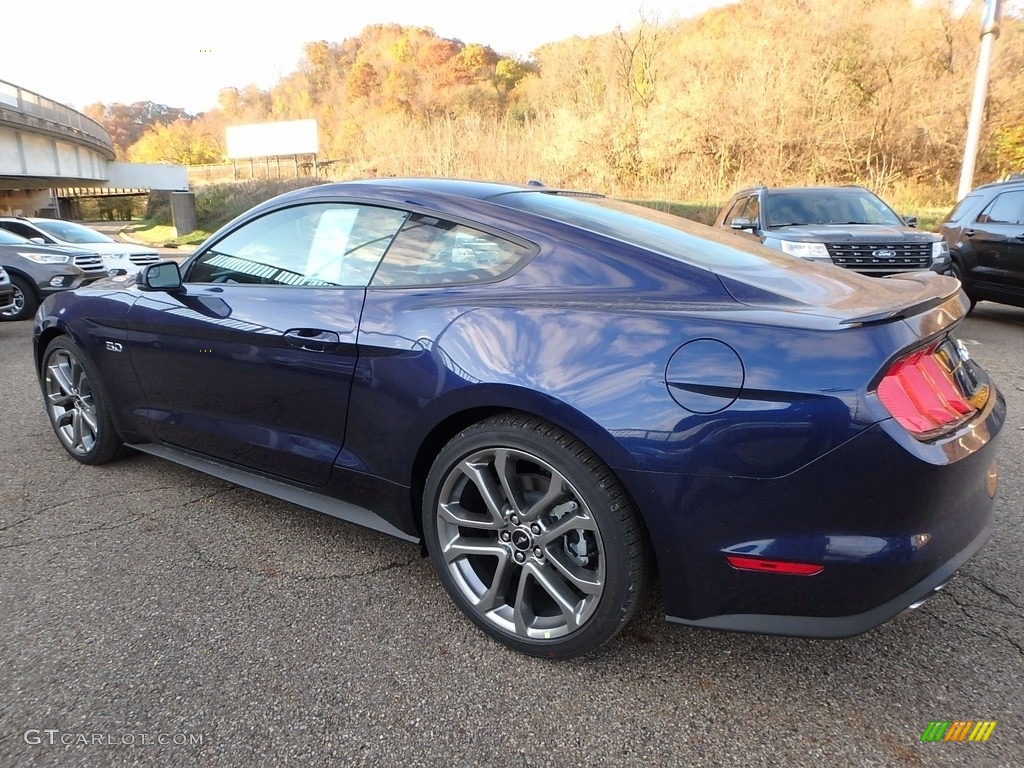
(773, 566)
(922, 392)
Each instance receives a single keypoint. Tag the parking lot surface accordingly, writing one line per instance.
(156, 616)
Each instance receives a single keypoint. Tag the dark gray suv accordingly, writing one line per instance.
(36, 271)
(985, 233)
(6, 291)
(847, 226)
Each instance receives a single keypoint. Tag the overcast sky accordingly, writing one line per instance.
(182, 52)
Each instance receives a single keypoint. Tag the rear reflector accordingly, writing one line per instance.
(773, 566)
(924, 391)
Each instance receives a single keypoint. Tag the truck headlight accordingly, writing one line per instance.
(815, 251)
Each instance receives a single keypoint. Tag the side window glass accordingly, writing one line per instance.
(429, 251)
(753, 211)
(961, 208)
(1007, 208)
(324, 244)
(21, 229)
(735, 212)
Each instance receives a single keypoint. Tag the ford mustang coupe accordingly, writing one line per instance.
(560, 396)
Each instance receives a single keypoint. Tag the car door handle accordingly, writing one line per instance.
(968, 233)
(313, 339)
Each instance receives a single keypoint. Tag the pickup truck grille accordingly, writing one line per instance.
(881, 257)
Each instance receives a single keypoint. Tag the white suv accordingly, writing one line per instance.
(118, 258)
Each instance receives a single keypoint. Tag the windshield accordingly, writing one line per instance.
(823, 206)
(9, 238)
(72, 233)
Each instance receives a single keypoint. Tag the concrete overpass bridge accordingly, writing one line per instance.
(46, 146)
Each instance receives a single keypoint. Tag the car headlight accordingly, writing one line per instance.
(805, 250)
(46, 258)
(940, 251)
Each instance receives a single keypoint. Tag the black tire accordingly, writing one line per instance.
(533, 537)
(76, 404)
(25, 300)
(958, 273)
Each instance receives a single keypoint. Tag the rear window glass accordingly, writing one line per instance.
(663, 233)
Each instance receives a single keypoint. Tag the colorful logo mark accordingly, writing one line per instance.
(958, 730)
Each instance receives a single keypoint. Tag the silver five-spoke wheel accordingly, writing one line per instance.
(520, 543)
(75, 405)
(533, 537)
(69, 400)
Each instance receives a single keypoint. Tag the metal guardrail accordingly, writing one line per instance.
(33, 105)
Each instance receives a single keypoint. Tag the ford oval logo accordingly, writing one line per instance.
(884, 253)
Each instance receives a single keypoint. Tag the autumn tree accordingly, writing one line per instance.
(127, 122)
(775, 91)
(183, 142)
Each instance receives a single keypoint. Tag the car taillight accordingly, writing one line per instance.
(932, 390)
(762, 565)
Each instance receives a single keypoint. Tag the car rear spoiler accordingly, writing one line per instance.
(943, 308)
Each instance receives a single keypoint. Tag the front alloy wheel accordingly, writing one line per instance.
(75, 406)
(25, 301)
(533, 537)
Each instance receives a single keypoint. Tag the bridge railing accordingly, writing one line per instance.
(31, 104)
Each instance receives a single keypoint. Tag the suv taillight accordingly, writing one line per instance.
(932, 390)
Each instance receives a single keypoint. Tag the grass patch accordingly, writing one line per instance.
(218, 204)
(151, 233)
(703, 213)
(928, 218)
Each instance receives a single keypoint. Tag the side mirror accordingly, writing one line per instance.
(742, 222)
(37, 240)
(164, 276)
(910, 220)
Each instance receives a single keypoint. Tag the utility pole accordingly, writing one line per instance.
(989, 32)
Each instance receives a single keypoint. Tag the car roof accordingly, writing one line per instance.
(477, 190)
(803, 190)
(999, 185)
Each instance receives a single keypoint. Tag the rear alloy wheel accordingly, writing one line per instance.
(25, 301)
(75, 406)
(533, 537)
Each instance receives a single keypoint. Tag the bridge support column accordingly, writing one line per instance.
(183, 212)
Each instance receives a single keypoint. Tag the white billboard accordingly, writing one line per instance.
(147, 176)
(292, 137)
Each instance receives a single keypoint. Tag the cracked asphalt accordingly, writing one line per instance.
(155, 616)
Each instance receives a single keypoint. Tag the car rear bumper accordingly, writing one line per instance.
(886, 517)
(843, 626)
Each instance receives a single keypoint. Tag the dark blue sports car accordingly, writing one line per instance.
(560, 395)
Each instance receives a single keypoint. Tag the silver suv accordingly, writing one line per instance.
(118, 258)
(36, 271)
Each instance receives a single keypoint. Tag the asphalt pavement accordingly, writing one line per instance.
(155, 616)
